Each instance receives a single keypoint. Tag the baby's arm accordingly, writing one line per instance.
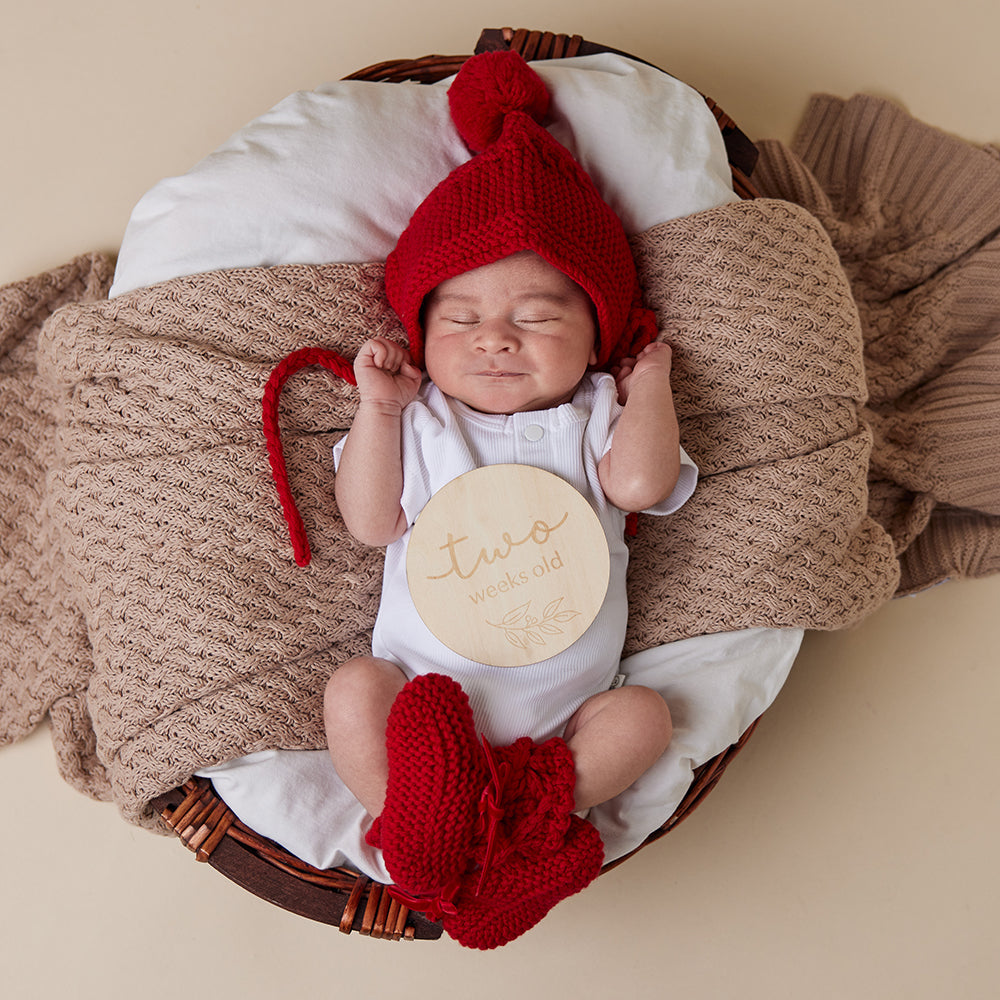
(370, 475)
(643, 464)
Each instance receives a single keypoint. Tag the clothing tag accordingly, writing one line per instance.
(617, 682)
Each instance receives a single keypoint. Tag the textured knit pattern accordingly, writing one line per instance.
(524, 191)
(521, 888)
(154, 605)
(915, 216)
(149, 603)
(436, 775)
(538, 816)
(768, 381)
(45, 659)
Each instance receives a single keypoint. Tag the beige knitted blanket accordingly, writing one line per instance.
(914, 214)
(162, 621)
(149, 603)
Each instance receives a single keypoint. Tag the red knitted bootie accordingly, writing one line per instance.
(519, 891)
(533, 851)
(437, 772)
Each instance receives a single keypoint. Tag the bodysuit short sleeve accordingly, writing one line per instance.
(432, 446)
(605, 412)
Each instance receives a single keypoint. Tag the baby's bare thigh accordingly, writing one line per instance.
(632, 708)
(362, 681)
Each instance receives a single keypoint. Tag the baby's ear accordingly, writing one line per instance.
(595, 319)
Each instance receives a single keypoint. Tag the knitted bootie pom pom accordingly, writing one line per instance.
(488, 88)
(436, 776)
(540, 797)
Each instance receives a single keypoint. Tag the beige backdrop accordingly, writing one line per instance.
(848, 853)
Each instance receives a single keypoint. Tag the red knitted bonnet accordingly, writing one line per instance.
(523, 191)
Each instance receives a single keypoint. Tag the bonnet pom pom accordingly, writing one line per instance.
(489, 87)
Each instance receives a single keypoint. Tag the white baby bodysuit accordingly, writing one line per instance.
(442, 439)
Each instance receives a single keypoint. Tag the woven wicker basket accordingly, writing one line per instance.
(341, 896)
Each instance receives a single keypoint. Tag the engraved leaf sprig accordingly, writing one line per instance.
(523, 629)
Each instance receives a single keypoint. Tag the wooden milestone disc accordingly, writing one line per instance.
(508, 565)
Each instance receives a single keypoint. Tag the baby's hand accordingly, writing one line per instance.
(385, 373)
(653, 360)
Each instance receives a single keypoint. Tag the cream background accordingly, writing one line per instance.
(848, 853)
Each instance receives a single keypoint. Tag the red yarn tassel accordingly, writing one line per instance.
(295, 362)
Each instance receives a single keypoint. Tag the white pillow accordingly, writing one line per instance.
(335, 174)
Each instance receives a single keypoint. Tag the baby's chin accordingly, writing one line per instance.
(504, 408)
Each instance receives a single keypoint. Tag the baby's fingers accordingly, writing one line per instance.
(389, 356)
(658, 346)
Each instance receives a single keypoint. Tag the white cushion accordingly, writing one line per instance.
(334, 174)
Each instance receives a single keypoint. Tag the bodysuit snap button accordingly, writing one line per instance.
(533, 432)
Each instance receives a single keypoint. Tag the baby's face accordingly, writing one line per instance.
(511, 336)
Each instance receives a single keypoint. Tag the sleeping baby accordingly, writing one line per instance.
(517, 288)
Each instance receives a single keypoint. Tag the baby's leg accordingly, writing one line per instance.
(355, 709)
(615, 737)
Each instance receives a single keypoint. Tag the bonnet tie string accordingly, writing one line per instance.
(296, 361)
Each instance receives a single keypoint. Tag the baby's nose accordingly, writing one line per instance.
(497, 335)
